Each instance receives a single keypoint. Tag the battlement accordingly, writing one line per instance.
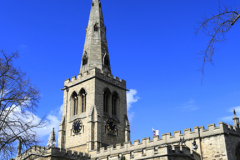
(168, 139)
(211, 130)
(95, 72)
(39, 151)
(134, 152)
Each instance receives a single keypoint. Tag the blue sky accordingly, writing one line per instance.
(152, 46)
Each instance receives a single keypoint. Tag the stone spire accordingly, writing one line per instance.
(95, 52)
(235, 120)
(51, 140)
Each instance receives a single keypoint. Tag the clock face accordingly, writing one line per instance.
(77, 126)
(111, 126)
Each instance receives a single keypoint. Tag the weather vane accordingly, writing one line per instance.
(234, 112)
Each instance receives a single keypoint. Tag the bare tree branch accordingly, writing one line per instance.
(215, 28)
(18, 100)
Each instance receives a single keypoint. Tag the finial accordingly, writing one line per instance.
(234, 112)
(51, 140)
(235, 120)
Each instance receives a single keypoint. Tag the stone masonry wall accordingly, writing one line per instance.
(93, 133)
(157, 153)
(119, 137)
(42, 153)
(216, 142)
(232, 143)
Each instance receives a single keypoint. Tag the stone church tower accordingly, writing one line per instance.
(95, 125)
(94, 105)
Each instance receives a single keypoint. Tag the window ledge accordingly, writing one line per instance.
(81, 116)
(115, 118)
(106, 115)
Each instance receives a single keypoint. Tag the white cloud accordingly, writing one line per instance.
(237, 109)
(130, 116)
(131, 98)
(230, 118)
(226, 119)
(52, 121)
(188, 106)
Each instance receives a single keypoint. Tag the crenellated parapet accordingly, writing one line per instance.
(95, 72)
(161, 144)
(137, 151)
(43, 152)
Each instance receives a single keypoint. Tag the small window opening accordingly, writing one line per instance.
(93, 4)
(85, 58)
(84, 100)
(106, 60)
(83, 103)
(75, 105)
(96, 27)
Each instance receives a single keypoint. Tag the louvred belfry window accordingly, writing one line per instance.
(75, 103)
(83, 103)
(85, 58)
(84, 99)
(105, 102)
(114, 105)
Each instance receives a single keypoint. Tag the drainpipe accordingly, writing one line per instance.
(200, 143)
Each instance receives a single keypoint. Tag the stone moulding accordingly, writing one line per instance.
(95, 72)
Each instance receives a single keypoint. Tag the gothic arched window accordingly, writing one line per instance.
(75, 103)
(114, 103)
(84, 100)
(85, 58)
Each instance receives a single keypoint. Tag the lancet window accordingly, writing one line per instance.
(83, 100)
(106, 96)
(75, 103)
(105, 102)
(114, 103)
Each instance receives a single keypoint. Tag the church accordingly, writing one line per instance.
(95, 123)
